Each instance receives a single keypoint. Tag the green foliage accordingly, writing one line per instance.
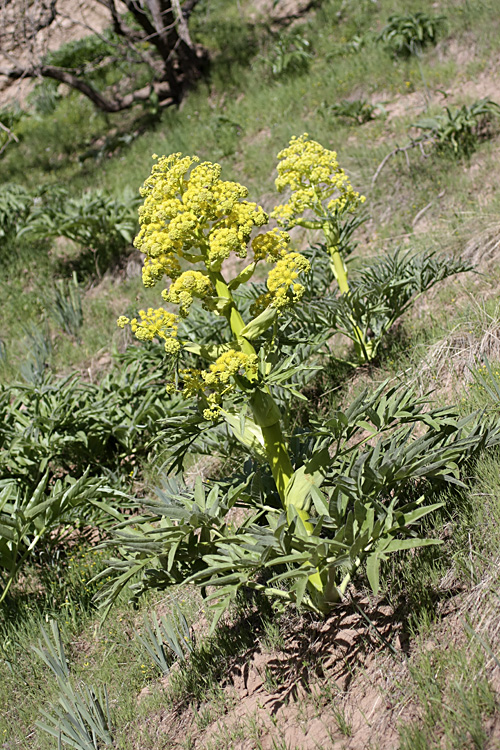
(380, 292)
(487, 384)
(79, 53)
(45, 97)
(407, 33)
(99, 223)
(82, 719)
(39, 347)
(458, 131)
(65, 306)
(290, 55)
(447, 699)
(166, 640)
(110, 145)
(30, 519)
(64, 444)
(368, 476)
(267, 116)
(67, 424)
(15, 204)
(235, 39)
(9, 118)
(358, 111)
(227, 135)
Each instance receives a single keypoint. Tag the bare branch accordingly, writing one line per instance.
(10, 137)
(183, 27)
(118, 104)
(403, 150)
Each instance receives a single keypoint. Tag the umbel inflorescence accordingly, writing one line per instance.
(317, 183)
(191, 219)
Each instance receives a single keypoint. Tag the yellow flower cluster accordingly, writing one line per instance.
(223, 242)
(284, 289)
(227, 365)
(215, 382)
(270, 245)
(184, 289)
(154, 323)
(207, 195)
(317, 182)
(196, 212)
(154, 269)
(282, 280)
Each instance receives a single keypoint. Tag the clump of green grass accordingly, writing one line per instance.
(455, 699)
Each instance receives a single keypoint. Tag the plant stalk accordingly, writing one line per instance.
(267, 416)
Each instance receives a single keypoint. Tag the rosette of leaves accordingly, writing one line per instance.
(458, 131)
(368, 475)
(406, 34)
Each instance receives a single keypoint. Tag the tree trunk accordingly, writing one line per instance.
(162, 24)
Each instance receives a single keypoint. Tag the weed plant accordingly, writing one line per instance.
(54, 583)
(335, 507)
(407, 34)
(459, 131)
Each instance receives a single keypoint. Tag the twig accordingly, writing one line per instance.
(10, 137)
(424, 209)
(421, 213)
(402, 150)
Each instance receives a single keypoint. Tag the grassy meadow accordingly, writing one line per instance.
(88, 433)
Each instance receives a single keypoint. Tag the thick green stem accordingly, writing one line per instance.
(363, 347)
(267, 416)
(232, 314)
(338, 269)
(337, 264)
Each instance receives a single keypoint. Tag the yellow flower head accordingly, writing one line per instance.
(282, 280)
(316, 181)
(213, 384)
(154, 324)
(227, 365)
(189, 212)
(270, 245)
(183, 290)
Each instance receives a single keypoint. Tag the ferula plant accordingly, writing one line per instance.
(321, 196)
(190, 217)
(316, 504)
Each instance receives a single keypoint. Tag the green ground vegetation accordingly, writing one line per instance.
(85, 441)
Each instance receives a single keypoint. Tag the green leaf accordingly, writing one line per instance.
(243, 276)
(373, 572)
(260, 324)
